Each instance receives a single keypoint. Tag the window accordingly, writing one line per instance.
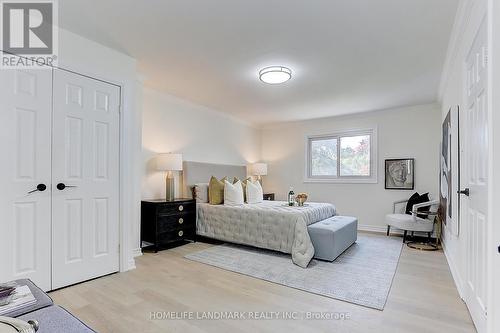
(342, 157)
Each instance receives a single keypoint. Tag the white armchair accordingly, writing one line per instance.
(400, 220)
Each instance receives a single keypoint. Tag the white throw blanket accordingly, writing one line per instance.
(270, 225)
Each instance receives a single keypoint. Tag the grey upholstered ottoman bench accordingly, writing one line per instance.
(55, 319)
(333, 236)
(50, 317)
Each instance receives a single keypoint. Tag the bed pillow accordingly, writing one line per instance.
(244, 185)
(255, 194)
(233, 193)
(201, 192)
(216, 191)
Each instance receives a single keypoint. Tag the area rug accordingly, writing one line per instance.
(362, 275)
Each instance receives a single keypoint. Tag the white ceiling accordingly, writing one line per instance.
(347, 56)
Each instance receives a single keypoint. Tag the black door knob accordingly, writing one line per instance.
(465, 191)
(61, 186)
(39, 188)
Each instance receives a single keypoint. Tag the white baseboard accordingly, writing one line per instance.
(383, 230)
(137, 252)
(378, 229)
(372, 228)
(454, 271)
(131, 264)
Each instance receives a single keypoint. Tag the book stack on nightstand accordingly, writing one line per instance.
(167, 222)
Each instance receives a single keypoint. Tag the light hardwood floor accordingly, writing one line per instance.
(423, 298)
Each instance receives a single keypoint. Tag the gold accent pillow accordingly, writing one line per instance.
(244, 185)
(216, 191)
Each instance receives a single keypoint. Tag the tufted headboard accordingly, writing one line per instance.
(198, 172)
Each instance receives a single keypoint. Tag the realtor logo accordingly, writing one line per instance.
(29, 31)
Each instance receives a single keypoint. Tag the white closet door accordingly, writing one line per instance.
(85, 179)
(25, 125)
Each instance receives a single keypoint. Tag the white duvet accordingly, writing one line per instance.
(271, 225)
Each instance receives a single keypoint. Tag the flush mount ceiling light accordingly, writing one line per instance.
(275, 74)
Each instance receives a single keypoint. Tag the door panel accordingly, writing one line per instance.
(25, 141)
(476, 168)
(85, 158)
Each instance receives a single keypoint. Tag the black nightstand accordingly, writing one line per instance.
(165, 222)
(269, 196)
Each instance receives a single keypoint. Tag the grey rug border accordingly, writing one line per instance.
(392, 280)
(296, 288)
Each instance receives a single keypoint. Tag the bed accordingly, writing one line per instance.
(270, 225)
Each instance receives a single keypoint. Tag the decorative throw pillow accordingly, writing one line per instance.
(244, 185)
(255, 194)
(412, 201)
(216, 191)
(424, 198)
(201, 192)
(233, 193)
(416, 199)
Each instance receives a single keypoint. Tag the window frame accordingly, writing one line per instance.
(371, 179)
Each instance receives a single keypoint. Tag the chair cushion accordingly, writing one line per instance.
(408, 222)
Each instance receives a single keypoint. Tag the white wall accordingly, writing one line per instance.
(87, 57)
(402, 132)
(201, 134)
(469, 18)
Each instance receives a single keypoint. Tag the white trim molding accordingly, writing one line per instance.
(462, 18)
(137, 252)
(454, 270)
(383, 230)
(493, 322)
(131, 264)
(466, 11)
(377, 228)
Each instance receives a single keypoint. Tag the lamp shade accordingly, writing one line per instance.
(258, 169)
(169, 162)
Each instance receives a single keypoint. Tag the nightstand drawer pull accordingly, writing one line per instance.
(181, 208)
(181, 220)
(180, 233)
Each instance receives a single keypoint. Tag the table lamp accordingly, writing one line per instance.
(168, 163)
(259, 170)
